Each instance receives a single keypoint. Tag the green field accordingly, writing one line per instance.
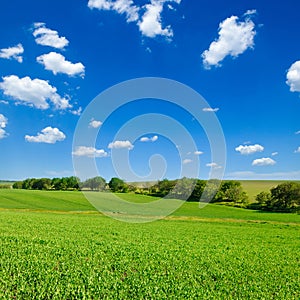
(55, 245)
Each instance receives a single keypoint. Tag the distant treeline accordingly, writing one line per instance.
(285, 197)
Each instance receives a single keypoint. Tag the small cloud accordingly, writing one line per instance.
(89, 152)
(4, 102)
(250, 12)
(95, 123)
(126, 7)
(235, 37)
(209, 109)
(57, 63)
(33, 92)
(264, 161)
(120, 145)
(48, 135)
(249, 149)
(198, 152)
(293, 77)
(187, 161)
(274, 153)
(3, 123)
(297, 132)
(48, 37)
(214, 165)
(13, 53)
(149, 139)
(76, 112)
(298, 150)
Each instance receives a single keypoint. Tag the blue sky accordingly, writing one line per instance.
(57, 56)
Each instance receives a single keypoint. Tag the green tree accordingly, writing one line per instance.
(18, 185)
(198, 190)
(96, 183)
(285, 197)
(117, 185)
(263, 198)
(231, 191)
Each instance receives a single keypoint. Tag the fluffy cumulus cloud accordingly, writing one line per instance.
(57, 63)
(120, 145)
(293, 77)
(48, 135)
(210, 109)
(126, 7)
(264, 161)
(89, 152)
(13, 53)
(48, 37)
(214, 165)
(33, 92)
(149, 139)
(249, 149)
(151, 23)
(198, 152)
(148, 17)
(235, 37)
(95, 124)
(297, 150)
(3, 123)
(187, 161)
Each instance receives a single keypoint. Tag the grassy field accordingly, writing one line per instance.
(55, 245)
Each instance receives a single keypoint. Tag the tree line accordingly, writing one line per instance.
(285, 197)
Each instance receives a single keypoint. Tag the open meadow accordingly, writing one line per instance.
(55, 245)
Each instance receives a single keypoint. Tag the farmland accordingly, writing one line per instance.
(55, 245)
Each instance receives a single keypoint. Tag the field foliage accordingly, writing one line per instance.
(55, 245)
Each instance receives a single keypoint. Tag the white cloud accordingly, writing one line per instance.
(249, 149)
(126, 7)
(120, 145)
(293, 77)
(33, 92)
(95, 124)
(57, 63)
(76, 112)
(89, 152)
(3, 133)
(297, 132)
(151, 23)
(149, 139)
(264, 161)
(187, 161)
(48, 135)
(198, 152)
(209, 109)
(235, 37)
(214, 165)
(298, 150)
(274, 153)
(250, 12)
(3, 123)
(48, 37)
(13, 52)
